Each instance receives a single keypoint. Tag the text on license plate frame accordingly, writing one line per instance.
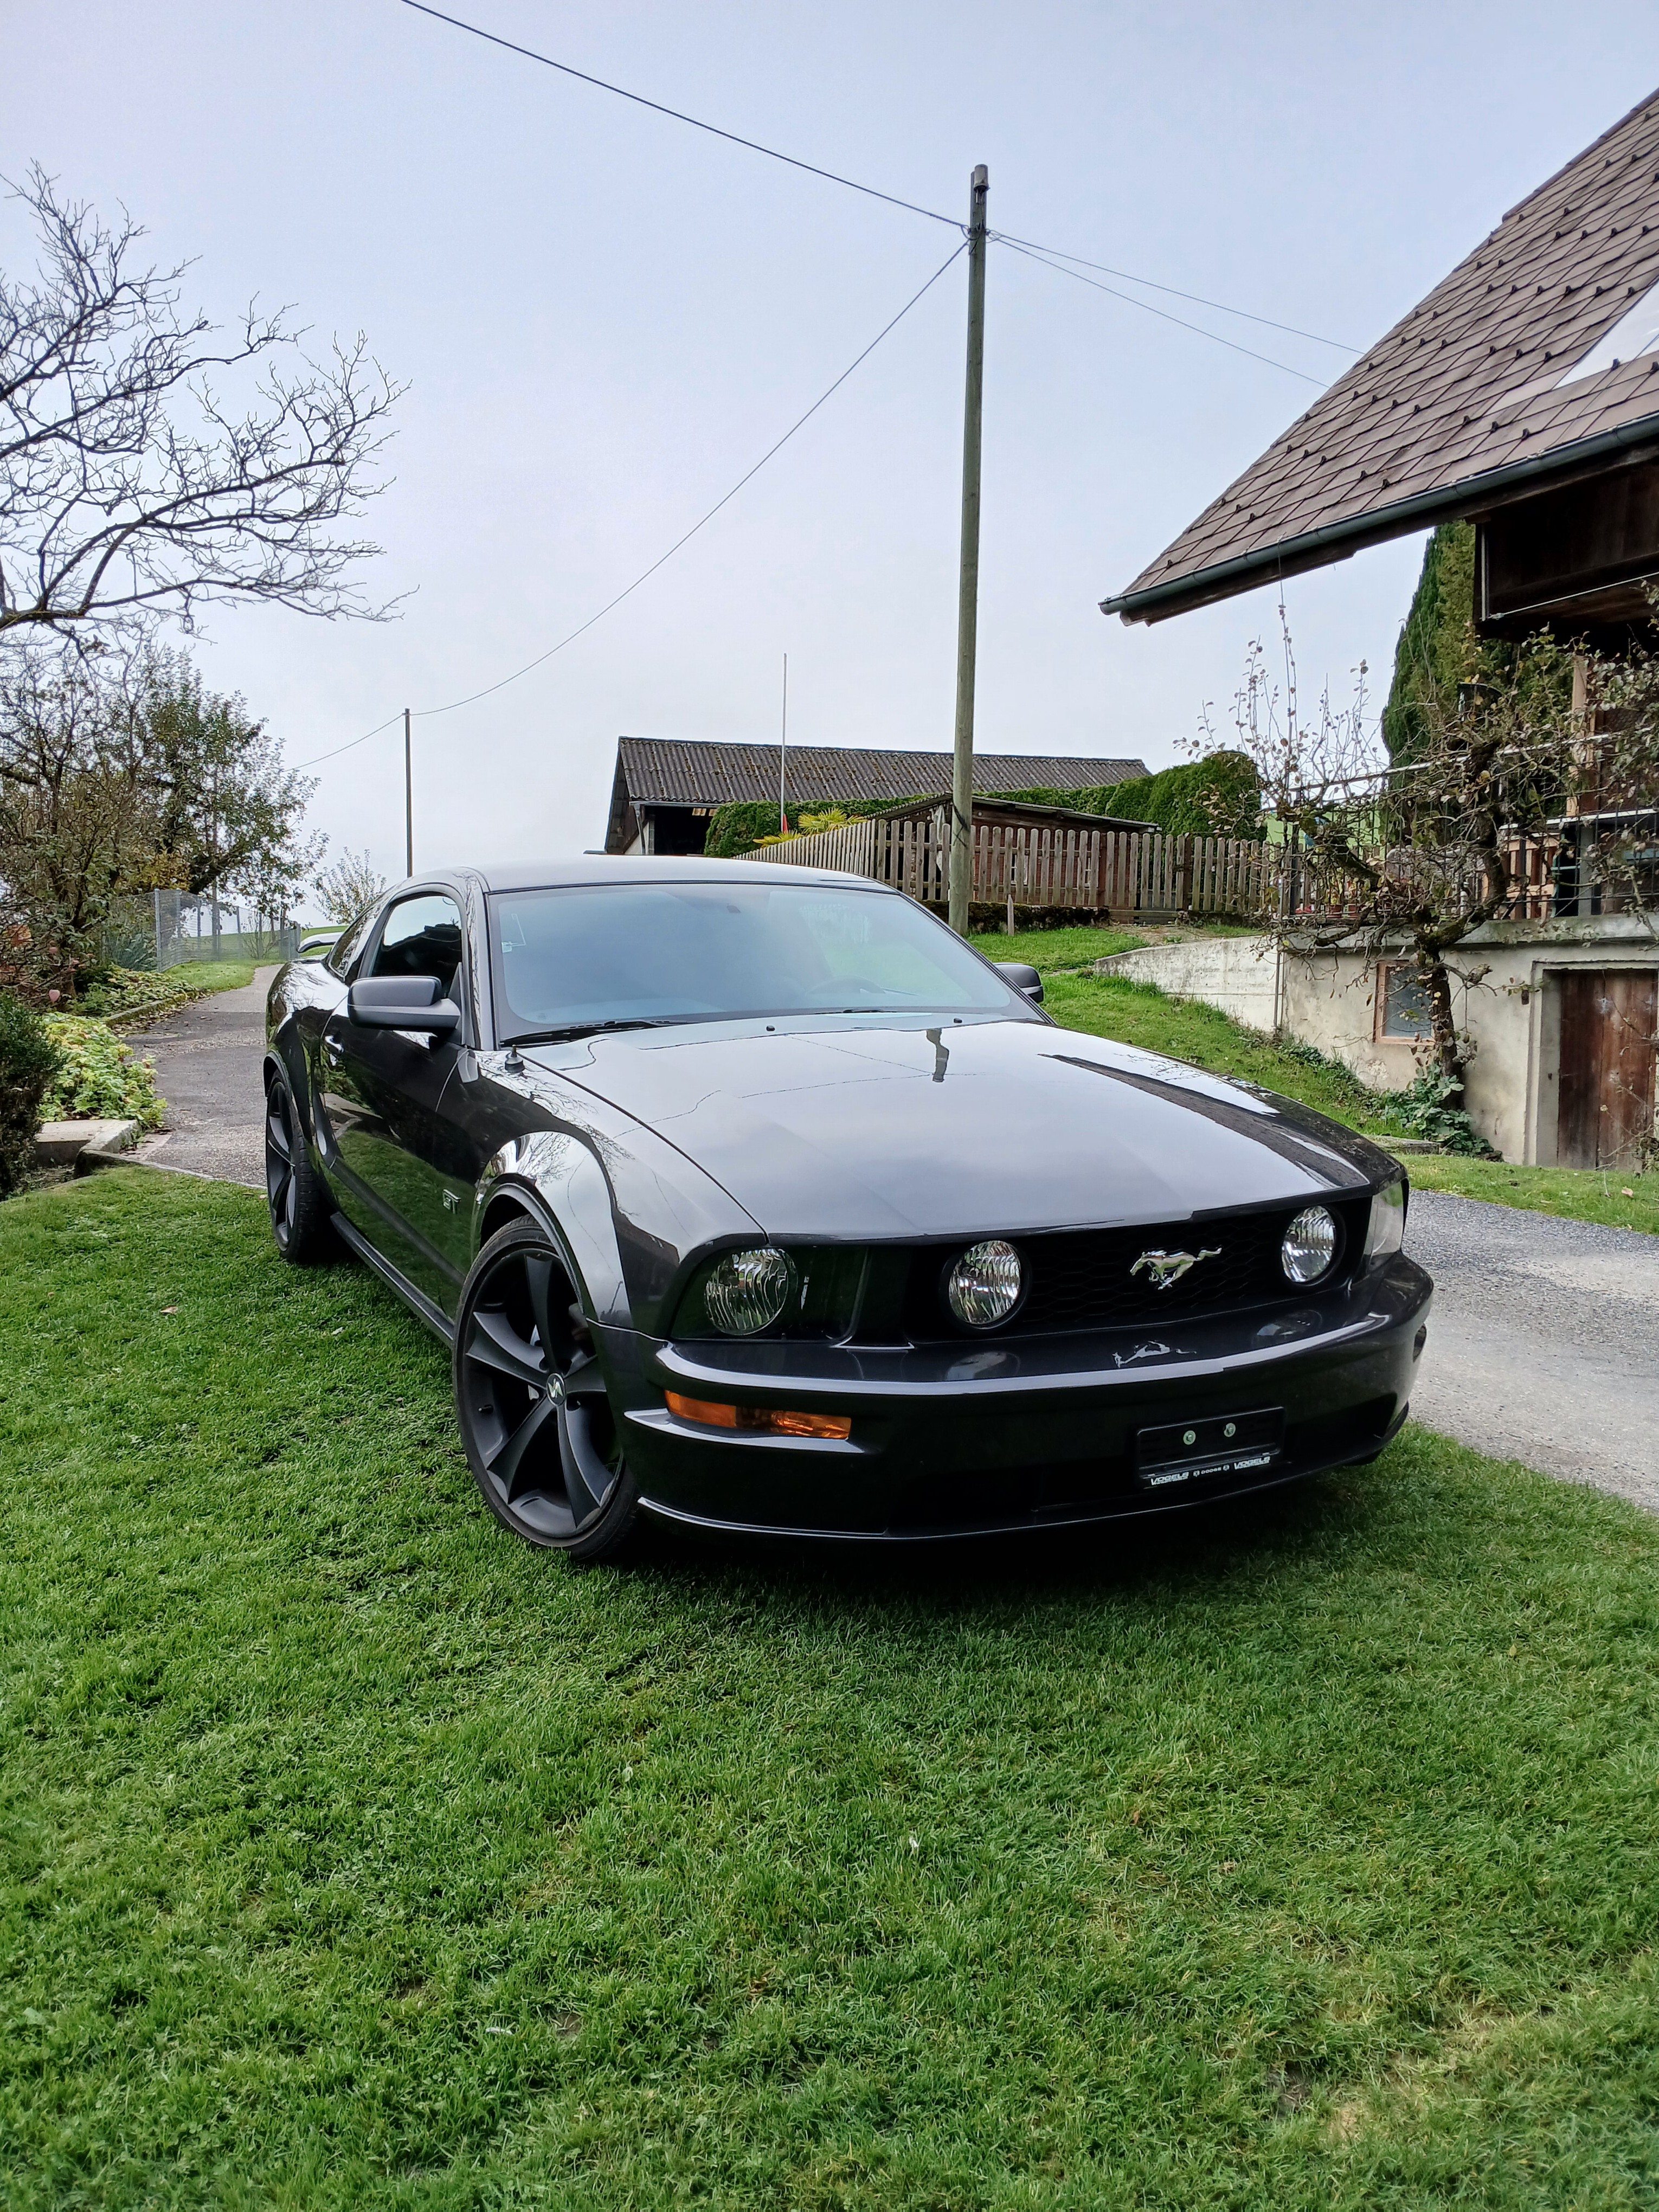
(1249, 1442)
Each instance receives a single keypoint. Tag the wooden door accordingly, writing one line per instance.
(1609, 1027)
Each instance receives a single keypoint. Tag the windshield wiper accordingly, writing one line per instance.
(574, 1030)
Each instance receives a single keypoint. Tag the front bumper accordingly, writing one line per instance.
(980, 1438)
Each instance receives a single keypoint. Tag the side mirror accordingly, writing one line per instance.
(402, 1002)
(1023, 978)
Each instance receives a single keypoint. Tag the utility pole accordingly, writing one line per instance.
(214, 886)
(409, 802)
(962, 777)
(783, 743)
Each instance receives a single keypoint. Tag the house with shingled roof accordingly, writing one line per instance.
(1521, 396)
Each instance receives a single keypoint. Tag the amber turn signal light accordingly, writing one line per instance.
(768, 1420)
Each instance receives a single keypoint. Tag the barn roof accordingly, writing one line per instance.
(1532, 361)
(712, 772)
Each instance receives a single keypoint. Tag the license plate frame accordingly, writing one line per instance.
(1209, 1446)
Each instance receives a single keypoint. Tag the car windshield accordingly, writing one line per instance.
(617, 954)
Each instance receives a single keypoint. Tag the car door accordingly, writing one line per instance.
(382, 1090)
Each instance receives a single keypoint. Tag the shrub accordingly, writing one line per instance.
(28, 1061)
(99, 1076)
(739, 827)
(1214, 797)
(119, 990)
(128, 949)
(1420, 1110)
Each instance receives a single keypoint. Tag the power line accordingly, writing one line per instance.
(679, 116)
(1025, 247)
(1163, 313)
(350, 745)
(833, 177)
(1152, 285)
(423, 713)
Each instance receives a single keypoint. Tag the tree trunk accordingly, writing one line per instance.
(1442, 1027)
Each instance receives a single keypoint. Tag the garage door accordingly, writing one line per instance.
(1609, 1026)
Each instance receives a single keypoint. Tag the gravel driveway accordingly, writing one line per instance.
(207, 1060)
(1542, 1342)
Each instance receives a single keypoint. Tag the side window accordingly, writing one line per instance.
(348, 946)
(422, 937)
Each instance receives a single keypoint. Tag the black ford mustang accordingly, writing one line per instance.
(752, 1197)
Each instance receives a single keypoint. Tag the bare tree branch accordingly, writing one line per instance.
(130, 485)
(1413, 853)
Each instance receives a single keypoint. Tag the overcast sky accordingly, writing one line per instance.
(606, 318)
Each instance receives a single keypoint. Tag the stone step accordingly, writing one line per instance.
(60, 1144)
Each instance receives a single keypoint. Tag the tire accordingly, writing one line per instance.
(301, 1211)
(531, 1403)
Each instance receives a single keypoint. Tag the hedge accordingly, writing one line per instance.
(28, 1061)
(1215, 796)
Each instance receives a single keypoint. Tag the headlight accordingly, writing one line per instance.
(1310, 1244)
(984, 1287)
(1385, 1231)
(746, 1291)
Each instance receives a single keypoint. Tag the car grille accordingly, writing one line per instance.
(1085, 1279)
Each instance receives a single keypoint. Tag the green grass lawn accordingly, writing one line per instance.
(351, 1855)
(202, 975)
(1579, 1194)
(132, 988)
(1140, 1014)
(1048, 949)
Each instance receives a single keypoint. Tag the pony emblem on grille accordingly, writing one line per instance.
(1167, 1268)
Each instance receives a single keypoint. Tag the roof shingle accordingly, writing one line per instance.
(707, 772)
(1461, 390)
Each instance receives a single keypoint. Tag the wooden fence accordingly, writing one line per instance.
(1147, 876)
(1121, 872)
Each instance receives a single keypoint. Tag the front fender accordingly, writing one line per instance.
(554, 1168)
(628, 1207)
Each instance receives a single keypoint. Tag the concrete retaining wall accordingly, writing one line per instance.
(1505, 996)
(1235, 973)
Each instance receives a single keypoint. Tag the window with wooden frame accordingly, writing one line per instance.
(1402, 1004)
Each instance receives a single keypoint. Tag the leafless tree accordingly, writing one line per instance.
(349, 886)
(132, 484)
(1412, 855)
(1615, 855)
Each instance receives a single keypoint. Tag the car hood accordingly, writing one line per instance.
(896, 1130)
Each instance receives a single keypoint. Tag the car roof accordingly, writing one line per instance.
(643, 867)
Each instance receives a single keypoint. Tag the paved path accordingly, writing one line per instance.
(206, 1059)
(1542, 1341)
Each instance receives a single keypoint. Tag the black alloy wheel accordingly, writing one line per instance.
(535, 1415)
(301, 1213)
